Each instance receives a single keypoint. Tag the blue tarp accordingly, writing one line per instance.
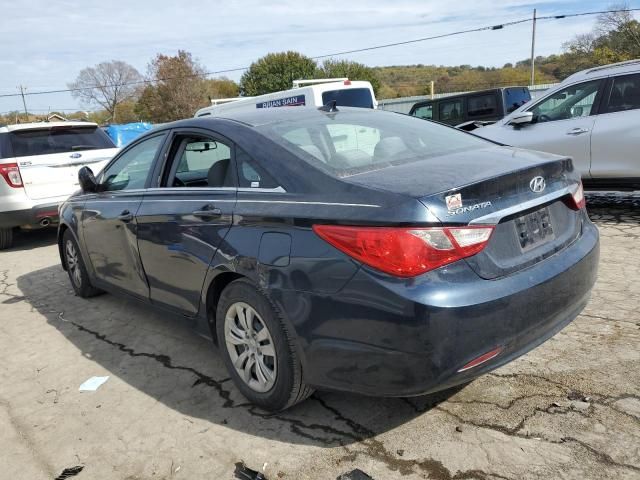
(123, 134)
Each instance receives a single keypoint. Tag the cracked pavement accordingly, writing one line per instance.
(569, 409)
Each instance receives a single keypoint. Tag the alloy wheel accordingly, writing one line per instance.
(250, 347)
(73, 263)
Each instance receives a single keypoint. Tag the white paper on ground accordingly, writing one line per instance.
(93, 384)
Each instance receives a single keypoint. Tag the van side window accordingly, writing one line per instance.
(625, 94)
(482, 105)
(450, 111)
(425, 112)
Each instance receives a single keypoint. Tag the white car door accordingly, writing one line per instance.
(562, 124)
(615, 140)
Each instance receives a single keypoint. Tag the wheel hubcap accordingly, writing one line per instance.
(72, 264)
(250, 347)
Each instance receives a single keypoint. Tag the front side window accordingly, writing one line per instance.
(625, 94)
(131, 169)
(482, 105)
(451, 111)
(200, 162)
(60, 139)
(571, 102)
(425, 111)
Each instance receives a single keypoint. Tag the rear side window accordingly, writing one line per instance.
(425, 112)
(58, 140)
(625, 94)
(515, 97)
(482, 105)
(352, 97)
(450, 111)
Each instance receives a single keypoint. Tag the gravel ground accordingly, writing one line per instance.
(569, 409)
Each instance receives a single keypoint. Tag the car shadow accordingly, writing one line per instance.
(606, 208)
(161, 356)
(30, 239)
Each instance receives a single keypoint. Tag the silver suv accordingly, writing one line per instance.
(593, 116)
(39, 165)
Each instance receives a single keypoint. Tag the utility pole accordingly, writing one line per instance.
(533, 48)
(24, 103)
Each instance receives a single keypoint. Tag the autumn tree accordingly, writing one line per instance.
(276, 71)
(176, 89)
(221, 88)
(107, 85)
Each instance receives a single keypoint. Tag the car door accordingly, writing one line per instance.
(616, 136)
(562, 124)
(182, 221)
(108, 222)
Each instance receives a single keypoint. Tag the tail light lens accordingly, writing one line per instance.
(11, 174)
(578, 198)
(406, 252)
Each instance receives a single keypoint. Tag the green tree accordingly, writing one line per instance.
(177, 90)
(221, 88)
(276, 71)
(351, 70)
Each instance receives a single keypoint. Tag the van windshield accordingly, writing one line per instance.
(352, 97)
(515, 97)
(58, 140)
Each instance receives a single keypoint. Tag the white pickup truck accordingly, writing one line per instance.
(39, 165)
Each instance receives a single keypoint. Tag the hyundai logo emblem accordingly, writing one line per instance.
(537, 184)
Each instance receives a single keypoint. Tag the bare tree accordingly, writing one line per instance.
(620, 20)
(107, 85)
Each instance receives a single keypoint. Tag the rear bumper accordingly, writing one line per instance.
(389, 337)
(30, 217)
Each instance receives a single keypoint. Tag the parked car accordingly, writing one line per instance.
(345, 249)
(39, 165)
(470, 110)
(592, 117)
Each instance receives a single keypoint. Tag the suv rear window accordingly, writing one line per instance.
(352, 97)
(57, 140)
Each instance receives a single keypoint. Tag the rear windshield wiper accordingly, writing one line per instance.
(84, 147)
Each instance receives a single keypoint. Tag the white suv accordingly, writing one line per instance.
(39, 165)
(593, 116)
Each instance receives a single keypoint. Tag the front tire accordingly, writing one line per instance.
(6, 238)
(76, 268)
(258, 349)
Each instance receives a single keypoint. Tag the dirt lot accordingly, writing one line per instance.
(569, 409)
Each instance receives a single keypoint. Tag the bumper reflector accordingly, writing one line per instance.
(485, 357)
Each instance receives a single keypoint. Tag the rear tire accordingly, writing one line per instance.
(76, 268)
(252, 335)
(6, 238)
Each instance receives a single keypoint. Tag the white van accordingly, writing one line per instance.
(304, 92)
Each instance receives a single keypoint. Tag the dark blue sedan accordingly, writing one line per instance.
(350, 250)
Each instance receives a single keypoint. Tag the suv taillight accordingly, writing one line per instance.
(406, 252)
(11, 174)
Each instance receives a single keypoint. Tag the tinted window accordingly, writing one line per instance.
(450, 111)
(201, 162)
(358, 142)
(574, 101)
(353, 97)
(58, 140)
(515, 97)
(482, 105)
(625, 94)
(425, 111)
(131, 169)
(251, 174)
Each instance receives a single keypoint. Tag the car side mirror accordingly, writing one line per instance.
(87, 180)
(521, 119)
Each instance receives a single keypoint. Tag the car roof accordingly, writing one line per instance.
(630, 66)
(44, 126)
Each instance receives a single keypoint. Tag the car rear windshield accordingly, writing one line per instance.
(352, 97)
(515, 97)
(57, 140)
(348, 143)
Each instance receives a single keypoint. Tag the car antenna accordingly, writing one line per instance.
(330, 107)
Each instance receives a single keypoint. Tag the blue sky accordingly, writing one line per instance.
(46, 43)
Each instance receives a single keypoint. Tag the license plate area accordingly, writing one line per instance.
(534, 229)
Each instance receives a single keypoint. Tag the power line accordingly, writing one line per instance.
(335, 54)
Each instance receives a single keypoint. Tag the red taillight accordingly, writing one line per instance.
(485, 357)
(406, 252)
(11, 174)
(347, 82)
(578, 198)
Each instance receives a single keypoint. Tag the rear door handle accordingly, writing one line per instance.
(209, 211)
(125, 216)
(577, 131)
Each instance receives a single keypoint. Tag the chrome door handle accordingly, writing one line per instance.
(577, 131)
(207, 213)
(125, 216)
